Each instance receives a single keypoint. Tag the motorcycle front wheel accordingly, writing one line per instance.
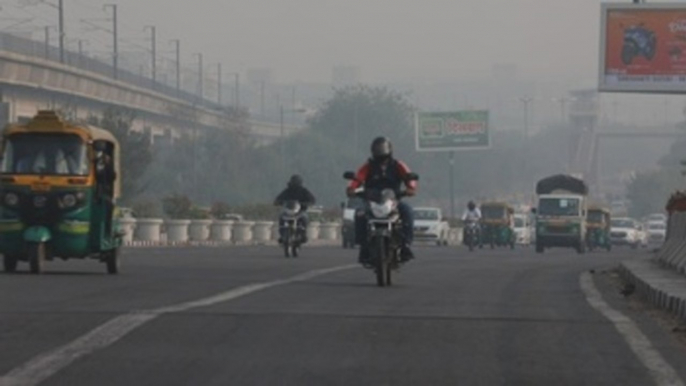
(383, 270)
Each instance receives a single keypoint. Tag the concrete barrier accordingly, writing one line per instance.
(313, 230)
(672, 253)
(220, 231)
(242, 231)
(127, 225)
(177, 230)
(329, 231)
(455, 236)
(262, 231)
(199, 230)
(148, 230)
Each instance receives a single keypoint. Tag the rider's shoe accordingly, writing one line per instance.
(363, 257)
(406, 254)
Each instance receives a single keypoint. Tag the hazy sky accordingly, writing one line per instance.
(387, 39)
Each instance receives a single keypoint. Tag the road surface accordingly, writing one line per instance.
(247, 316)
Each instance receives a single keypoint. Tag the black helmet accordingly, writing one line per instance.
(471, 205)
(295, 180)
(382, 148)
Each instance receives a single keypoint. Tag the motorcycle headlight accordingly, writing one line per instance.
(11, 199)
(382, 210)
(68, 200)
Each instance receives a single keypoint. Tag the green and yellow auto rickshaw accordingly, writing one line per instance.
(497, 225)
(59, 183)
(598, 228)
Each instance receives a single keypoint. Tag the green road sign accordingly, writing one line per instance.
(459, 130)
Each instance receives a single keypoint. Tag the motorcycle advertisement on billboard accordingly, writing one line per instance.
(643, 48)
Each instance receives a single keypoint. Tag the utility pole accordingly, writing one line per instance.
(451, 162)
(60, 9)
(200, 77)
(237, 91)
(219, 83)
(526, 100)
(47, 42)
(177, 44)
(281, 142)
(153, 51)
(262, 97)
(115, 43)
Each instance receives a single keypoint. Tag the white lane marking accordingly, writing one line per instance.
(46, 365)
(662, 373)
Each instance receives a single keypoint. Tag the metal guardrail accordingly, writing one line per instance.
(28, 47)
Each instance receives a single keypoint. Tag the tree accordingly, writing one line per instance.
(136, 148)
(648, 192)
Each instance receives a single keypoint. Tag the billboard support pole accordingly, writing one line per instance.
(452, 184)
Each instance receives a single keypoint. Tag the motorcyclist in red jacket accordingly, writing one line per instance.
(382, 171)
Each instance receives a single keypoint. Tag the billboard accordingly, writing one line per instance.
(643, 48)
(458, 130)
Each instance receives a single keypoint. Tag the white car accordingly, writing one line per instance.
(657, 217)
(625, 231)
(657, 232)
(522, 229)
(430, 226)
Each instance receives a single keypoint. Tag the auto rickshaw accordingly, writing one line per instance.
(598, 228)
(59, 183)
(497, 225)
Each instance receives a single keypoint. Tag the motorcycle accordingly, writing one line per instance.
(638, 41)
(471, 234)
(292, 233)
(384, 239)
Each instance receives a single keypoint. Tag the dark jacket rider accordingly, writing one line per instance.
(295, 191)
(382, 171)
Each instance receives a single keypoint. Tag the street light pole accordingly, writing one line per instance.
(451, 162)
(219, 83)
(153, 51)
(47, 42)
(237, 90)
(115, 42)
(177, 44)
(200, 76)
(281, 147)
(60, 10)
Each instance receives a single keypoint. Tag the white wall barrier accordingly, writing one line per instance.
(127, 225)
(199, 230)
(313, 230)
(220, 231)
(148, 230)
(262, 231)
(242, 231)
(329, 231)
(177, 230)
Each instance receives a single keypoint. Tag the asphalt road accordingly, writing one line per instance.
(453, 317)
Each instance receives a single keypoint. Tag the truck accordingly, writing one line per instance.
(561, 213)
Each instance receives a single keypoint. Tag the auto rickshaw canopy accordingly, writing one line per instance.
(49, 122)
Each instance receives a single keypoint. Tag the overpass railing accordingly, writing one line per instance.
(23, 46)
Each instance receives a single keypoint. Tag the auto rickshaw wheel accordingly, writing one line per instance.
(112, 261)
(36, 253)
(9, 263)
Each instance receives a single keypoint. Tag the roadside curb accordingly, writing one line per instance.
(663, 288)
